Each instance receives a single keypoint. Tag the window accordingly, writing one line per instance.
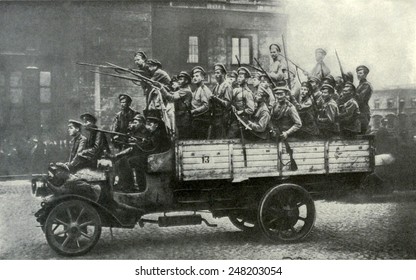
(16, 93)
(193, 50)
(413, 102)
(377, 104)
(241, 48)
(390, 103)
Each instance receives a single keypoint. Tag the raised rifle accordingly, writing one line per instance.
(115, 68)
(287, 64)
(265, 72)
(291, 61)
(340, 67)
(238, 61)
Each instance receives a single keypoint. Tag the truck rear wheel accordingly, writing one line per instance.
(286, 213)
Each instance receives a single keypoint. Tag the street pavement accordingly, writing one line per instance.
(353, 227)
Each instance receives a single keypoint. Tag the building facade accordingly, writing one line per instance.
(41, 86)
(397, 105)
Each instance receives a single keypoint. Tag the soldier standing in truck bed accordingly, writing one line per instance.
(259, 121)
(349, 112)
(320, 70)
(242, 102)
(363, 93)
(200, 104)
(327, 119)
(221, 102)
(277, 66)
(182, 98)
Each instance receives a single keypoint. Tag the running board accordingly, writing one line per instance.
(182, 220)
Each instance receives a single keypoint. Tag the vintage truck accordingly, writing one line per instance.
(253, 184)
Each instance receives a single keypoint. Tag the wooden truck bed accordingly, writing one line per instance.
(223, 159)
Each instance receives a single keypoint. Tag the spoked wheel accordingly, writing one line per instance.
(73, 228)
(286, 213)
(244, 223)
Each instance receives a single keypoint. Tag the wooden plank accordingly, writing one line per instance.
(255, 151)
(267, 163)
(302, 172)
(349, 160)
(206, 166)
(239, 157)
(306, 144)
(349, 154)
(319, 149)
(307, 168)
(304, 156)
(349, 148)
(206, 173)
(347, 142)
(197, 148)
(357, 165)
(351, 170)
(199, 160)
(306, 161)
(205, 153)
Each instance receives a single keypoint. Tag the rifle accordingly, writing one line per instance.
(291, 61)
(287, 64)
(116, 133)
(340, 66)
(293, 164)
(264, 71)
(243, 142)
(238, 61)
(115, 68)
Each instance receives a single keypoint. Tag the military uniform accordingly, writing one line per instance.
(242, 100)
(259, 123)
(78, 144)
(276, 69)
(200, 108)
(221, 102)
(363, 95)
(328, 119)
(307, 114)
(285, 118)
(349, 118)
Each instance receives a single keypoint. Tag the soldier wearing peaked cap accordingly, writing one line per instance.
(331, 81)
(260, 85)
(259, 121)
(242, 102)
(232, 78)
(284, 117)
(316, 92)
(320, 70)
(221, 102)
(200, 104)
(307, 112)
(363, 95)
(349, 112)
(182, 98)
(78, 144)
(328, 114)
(96, 141)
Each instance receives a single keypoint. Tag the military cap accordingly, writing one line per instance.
(329, 80)
(307, 85)
(233, 74)
(323, 51)
(245, 71)
(185, 75)
(141, 53)
(328, 86)
(198, 69)
(349, 84)
(349, 77)
(221, 67)
(363, 67)
(89, 117)
(75, 123)
(153, 115)
(285, 89)
(139, 117)
(276, 45)
(154, 62)
(174, 79)
(314, 79)
(125, 96)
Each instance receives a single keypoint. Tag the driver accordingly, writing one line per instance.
(78, 144)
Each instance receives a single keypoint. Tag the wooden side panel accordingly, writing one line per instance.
(349, 156)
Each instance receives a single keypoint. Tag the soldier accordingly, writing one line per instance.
(260, 84)
(328, 114)
(182, 98)
(277, 66)
(78, 144)
(349, 112)
(329, 79)
(120, 124)
(242, 102)
(221, 102)
(155, 141)
(307, 112)
(260, 119)
(96, 141)
(232, 79)
(320, 70)
(285, 120)
(363, 92)
(200, 104)
(316, 92)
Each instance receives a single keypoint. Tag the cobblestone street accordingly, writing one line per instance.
(382, 227)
